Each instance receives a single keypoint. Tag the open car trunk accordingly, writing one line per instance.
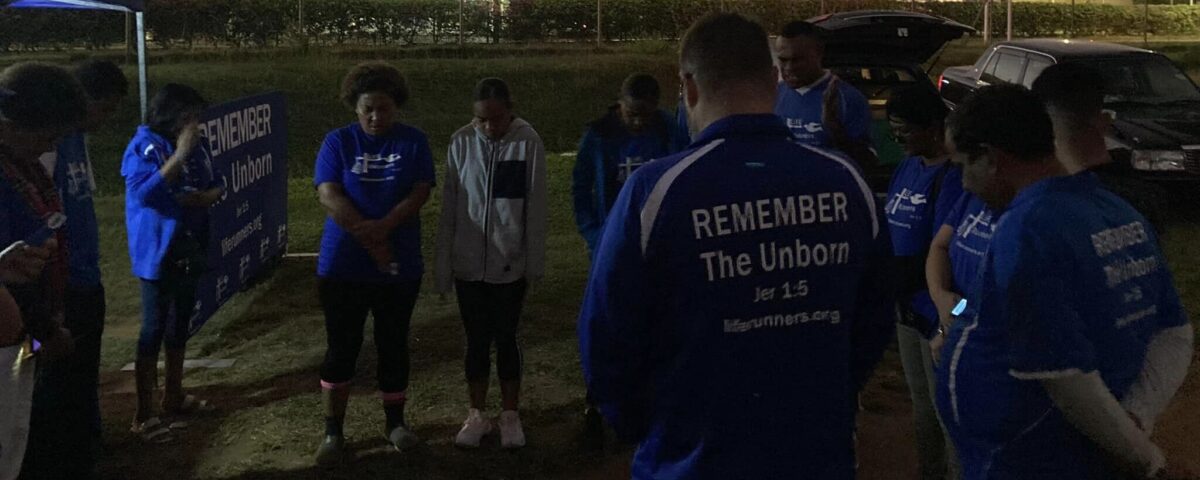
(887, 35)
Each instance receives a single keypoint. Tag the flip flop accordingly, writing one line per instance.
(152, 431)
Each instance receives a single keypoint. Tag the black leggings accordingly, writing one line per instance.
(346, 305)
(490, 313)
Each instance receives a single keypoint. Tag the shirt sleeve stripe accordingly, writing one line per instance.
(654, 202)
(868, 196)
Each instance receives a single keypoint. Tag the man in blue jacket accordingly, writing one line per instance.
(738, 297)
(820, 109)
(633, 132)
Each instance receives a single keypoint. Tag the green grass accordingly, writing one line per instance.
(270, 417)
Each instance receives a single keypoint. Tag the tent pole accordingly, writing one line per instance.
(1009, 30)
(128, 38)
(141, 42)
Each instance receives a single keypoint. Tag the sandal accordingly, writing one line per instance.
(152, 431)
(189, 405)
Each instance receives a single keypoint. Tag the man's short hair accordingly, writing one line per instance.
(1007, 117)
(641, 86)
(493, 89)
(919, 105)
(102, 79)
(1071, 88)
(800, 28)
(374, 77)
(723, 48)
(43, 96)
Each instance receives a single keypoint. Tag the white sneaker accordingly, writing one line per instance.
(511, 433)
(473, 430)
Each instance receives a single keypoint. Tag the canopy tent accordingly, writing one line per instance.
(129, 6)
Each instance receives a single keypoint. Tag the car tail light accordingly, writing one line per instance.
(941, 78)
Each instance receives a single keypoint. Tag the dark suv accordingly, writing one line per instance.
(1155, 139)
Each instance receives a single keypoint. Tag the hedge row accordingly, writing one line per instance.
(243, 23)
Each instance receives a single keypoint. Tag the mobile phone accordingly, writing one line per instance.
(54, 222)
(959, 308)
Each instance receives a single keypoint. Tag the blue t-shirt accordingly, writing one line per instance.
(76, 184)
(1073, 282)
(801, 109)
(377, 173)
(916, 208)
(709, 311)
(973, 224)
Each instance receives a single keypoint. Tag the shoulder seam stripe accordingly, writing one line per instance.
(649, 213)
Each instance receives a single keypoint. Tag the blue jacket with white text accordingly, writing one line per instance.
(737, 303)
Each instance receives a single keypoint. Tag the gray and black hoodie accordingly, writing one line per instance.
(493, 222)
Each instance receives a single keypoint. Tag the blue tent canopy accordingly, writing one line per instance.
(118, 5)
(134, 6)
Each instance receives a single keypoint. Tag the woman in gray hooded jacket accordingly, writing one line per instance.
(491, 243)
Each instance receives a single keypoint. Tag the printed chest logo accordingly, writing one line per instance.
(978, 224)
(906, 201)
(799, 125)
(372, 167)
(79, 181)
(627, 166)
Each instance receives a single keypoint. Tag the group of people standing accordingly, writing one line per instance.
(372, 177)
(53, 298)
(745, 280)
(743, 288)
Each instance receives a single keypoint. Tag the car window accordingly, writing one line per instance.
(1037, 63)
(1144, 79)
(1008, 68)
(987, 71)
(987, 56)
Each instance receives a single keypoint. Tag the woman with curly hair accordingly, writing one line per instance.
(372, 177)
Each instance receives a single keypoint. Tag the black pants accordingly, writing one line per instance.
(490, 314)
(346, 305)
(65, 421)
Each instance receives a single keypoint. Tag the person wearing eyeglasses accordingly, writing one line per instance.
(923, 190)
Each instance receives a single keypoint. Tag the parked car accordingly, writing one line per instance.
(878, 51)
(1155, 140)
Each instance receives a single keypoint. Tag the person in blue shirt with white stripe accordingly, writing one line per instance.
(1074, 323)
(820, 109)
(738, 299)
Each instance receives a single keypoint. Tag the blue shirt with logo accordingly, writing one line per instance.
(801, 108)
(727, 330)
(376, 173)
(920, 198)
(76, 185)
(153, 215)
(973, 223)
(608, 155)
(1073, 282)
